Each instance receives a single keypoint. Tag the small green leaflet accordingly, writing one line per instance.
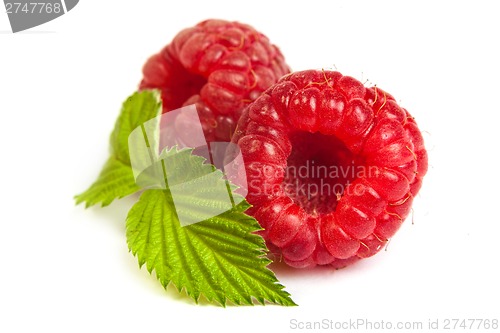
(220, 258)
(136, 110)
(116, 179)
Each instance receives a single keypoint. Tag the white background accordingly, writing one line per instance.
(66, 269)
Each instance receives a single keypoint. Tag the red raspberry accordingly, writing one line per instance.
(220, 66)
(332, 167)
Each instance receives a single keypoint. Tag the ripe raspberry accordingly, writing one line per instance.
(332, 167)
(220, 66)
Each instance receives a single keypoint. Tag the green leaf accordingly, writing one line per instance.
(136, 110)
(114, 182)
(116, 179)
(220, 257)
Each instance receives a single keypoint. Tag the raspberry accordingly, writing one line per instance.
(220, 67)
(332, 167)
